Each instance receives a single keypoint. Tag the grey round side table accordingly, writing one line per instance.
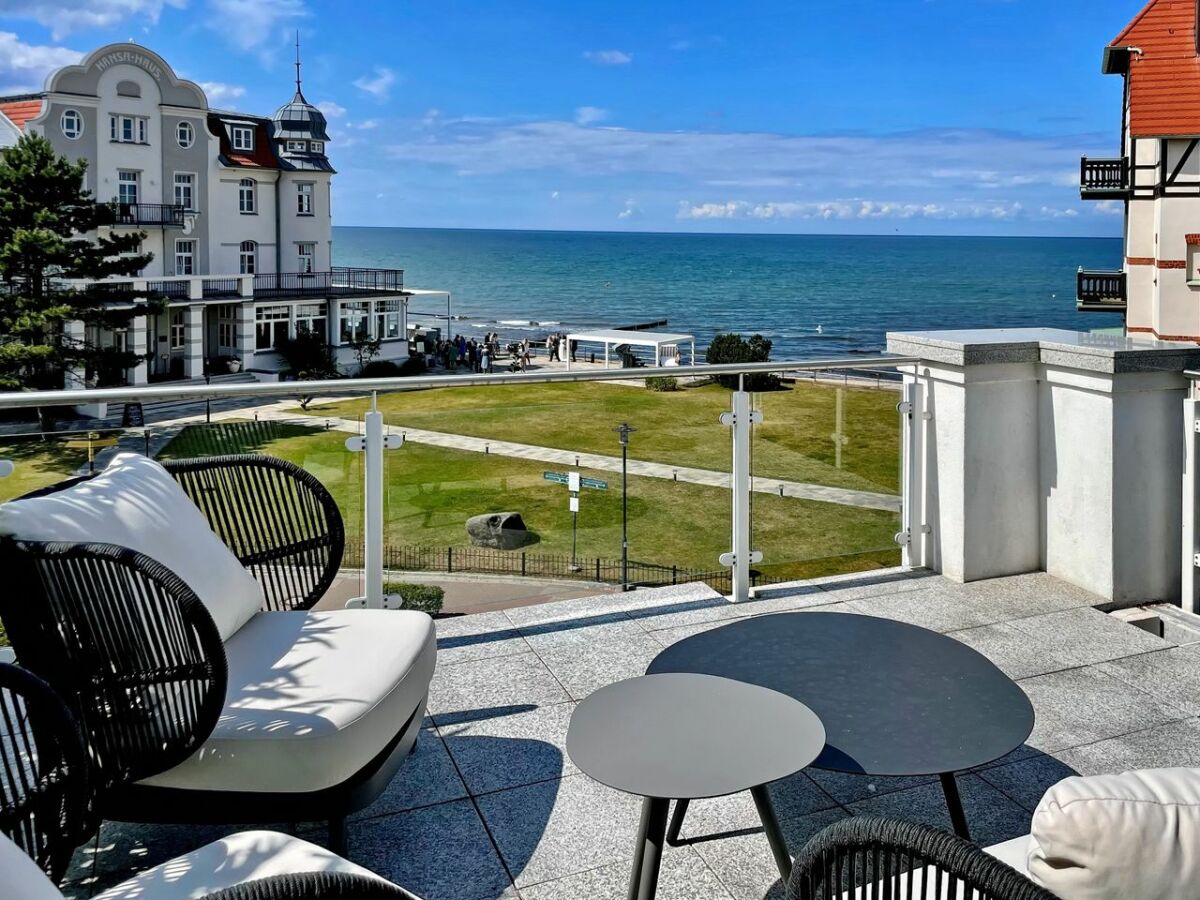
(684, 737)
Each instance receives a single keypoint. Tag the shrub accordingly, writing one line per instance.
(386, 368)
(663, 383)
(424, 597)
(308, 356)
(728, 349)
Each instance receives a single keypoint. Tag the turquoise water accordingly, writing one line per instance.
(855, 289)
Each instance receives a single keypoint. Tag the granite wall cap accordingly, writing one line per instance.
(1104, 353)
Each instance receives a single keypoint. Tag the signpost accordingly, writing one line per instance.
(574, 482)
(90, 443)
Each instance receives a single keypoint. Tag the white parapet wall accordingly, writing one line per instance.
(1056, 451)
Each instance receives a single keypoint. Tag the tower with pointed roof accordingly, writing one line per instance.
(300, 130)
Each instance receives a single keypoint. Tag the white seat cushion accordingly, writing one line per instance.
(135, 503)
(21, 877)
(1116, 837)
(1014, 853)
(312, 698)
(241, 857)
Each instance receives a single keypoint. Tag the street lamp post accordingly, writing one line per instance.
(623, 431)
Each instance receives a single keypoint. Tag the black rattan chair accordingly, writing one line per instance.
(902, 861)
(45, 806)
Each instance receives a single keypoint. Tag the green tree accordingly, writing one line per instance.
(48, 233)
(727, 349)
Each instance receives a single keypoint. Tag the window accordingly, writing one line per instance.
(177, 329)
(353, 321)
(248, 258)
(307, 253)
(127, 129)
(310, 317)
(184, 184)
(387, 319)
(242, 137)
(185, 134)
(304, 199)
(185, 257)
(246, 191)
(271, 326)
(227, 326)
(127, 187)
(318, 146)
(295, 146)
(72, 124)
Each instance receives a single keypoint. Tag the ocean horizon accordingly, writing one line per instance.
(812, 295)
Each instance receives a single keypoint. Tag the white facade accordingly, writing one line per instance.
(235, 208)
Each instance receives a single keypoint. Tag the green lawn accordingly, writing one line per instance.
(38, 464)
(431, 492)
(795, 441)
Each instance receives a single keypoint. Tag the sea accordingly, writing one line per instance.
(814, 296)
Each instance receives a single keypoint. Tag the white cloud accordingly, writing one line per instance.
(221, 94)
(590, 115)
(64, 17)
(554, 195)
(1054, 212)
(608, 57)
(331, 109)
(856, 208)
(24, 67)
(631, 210)
(368, 124)
(249, 26)
(380, 86)
(1108, 208)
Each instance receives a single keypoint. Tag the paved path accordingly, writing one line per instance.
(780, 487)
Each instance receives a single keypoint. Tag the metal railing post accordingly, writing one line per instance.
(740, 420)
(372, 443)
(913, 533)
(1190, 584)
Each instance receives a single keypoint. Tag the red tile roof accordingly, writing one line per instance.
(263, 156)
(1164, 79)
(21, 111)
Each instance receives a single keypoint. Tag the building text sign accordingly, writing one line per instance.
(129, 57)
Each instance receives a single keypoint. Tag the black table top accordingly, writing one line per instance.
(684, 736)
(895, 699)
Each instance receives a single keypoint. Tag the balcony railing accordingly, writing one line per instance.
(1101, 179)
(1100, 291)
(168, 215)
(339, 281)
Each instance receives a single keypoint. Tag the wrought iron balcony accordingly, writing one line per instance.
(1100, 291)
(339, 281)
(166, 215)
(1103, 179)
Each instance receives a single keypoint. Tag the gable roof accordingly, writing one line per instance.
(261, 157)
(1158, 53)
(20, 110)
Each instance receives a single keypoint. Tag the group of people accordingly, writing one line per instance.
(557, 347)
(480, 355)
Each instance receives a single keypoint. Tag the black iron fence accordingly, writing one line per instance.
(175, 290)
(1103, 176)
(220, 287)
(1100, 287)
(339, 281)
(147, 214)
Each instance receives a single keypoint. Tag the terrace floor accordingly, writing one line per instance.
(490, 806)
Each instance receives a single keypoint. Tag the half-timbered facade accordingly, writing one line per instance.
(1156, 177)
(236, 209)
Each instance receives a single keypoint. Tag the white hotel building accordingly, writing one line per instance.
(236, 209)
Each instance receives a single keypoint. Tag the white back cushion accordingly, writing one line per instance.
(1119, 837)
(135, 503)
(20, 876)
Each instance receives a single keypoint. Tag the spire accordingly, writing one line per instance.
(298, 91)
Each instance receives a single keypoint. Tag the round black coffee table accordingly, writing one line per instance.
(683, 737)
(895, 699)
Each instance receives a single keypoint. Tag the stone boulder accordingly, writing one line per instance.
(500, 531)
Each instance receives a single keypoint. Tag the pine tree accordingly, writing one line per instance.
(48, 233)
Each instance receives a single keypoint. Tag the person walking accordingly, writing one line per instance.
(485, 359)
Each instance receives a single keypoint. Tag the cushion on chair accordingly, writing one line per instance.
(135, 503)
(21, 877)
(245, 856)
(1117, 837)
(312, 698)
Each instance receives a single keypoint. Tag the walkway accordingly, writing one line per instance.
(782, 488)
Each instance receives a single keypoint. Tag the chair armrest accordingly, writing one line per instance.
(278, 519)
(865, 850)
(315, 886)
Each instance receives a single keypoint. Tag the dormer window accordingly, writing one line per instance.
(318, 146)
(295, 146)
(242, 137)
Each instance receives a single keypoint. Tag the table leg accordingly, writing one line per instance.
(958, 818)
(681, 808)
(647, 855)
(779, 849)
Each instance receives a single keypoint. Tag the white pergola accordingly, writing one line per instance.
(615, 337)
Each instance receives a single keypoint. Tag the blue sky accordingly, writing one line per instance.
(876, 116)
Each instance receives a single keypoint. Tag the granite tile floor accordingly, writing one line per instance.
(490, 806)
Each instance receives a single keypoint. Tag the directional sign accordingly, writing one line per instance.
(560, 477)
(574, 481)
(594, 484)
